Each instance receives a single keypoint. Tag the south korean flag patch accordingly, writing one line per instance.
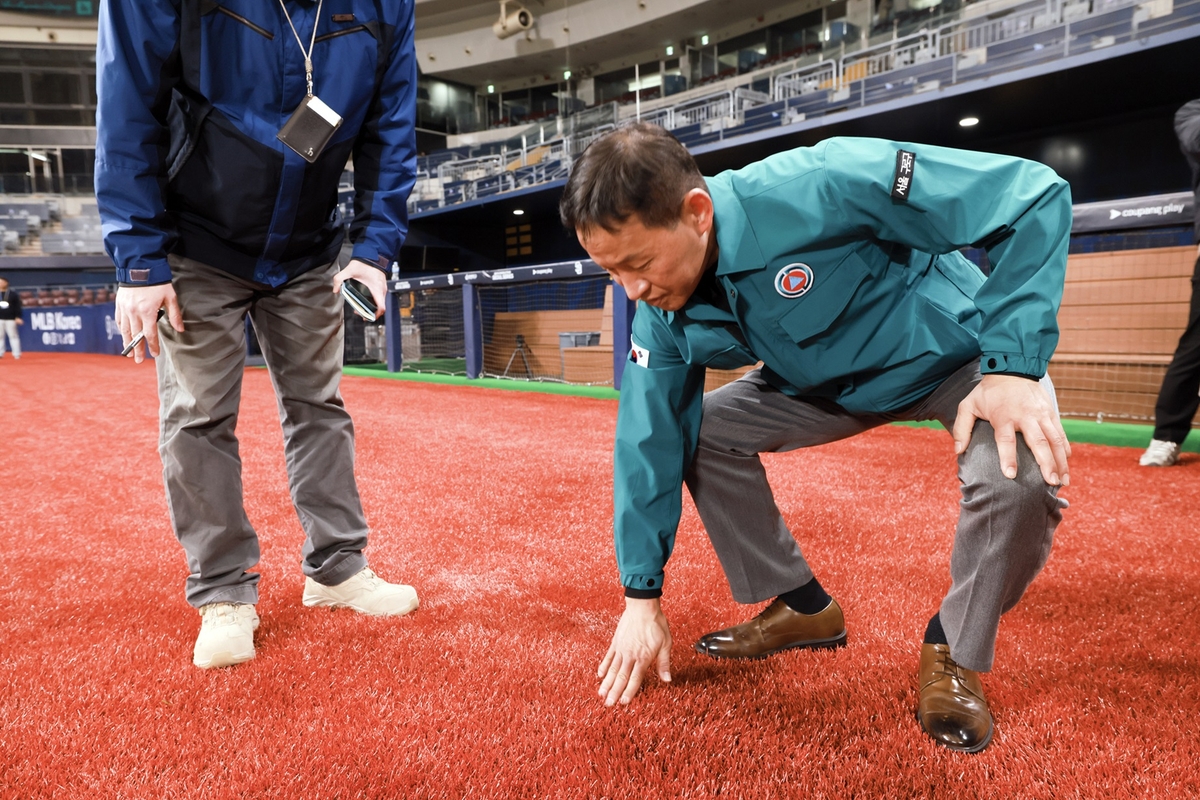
(639, 355)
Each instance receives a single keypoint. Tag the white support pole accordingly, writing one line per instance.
(637, 91)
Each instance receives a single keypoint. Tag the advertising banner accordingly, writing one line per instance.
(71, 329)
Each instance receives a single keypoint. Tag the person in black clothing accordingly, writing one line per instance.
(10, 318)
(1179, 396)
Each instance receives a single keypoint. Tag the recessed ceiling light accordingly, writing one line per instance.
(670, 50)
(566, 75)
(704, 40)
(491, 88)
(968, 122)
(518, 212)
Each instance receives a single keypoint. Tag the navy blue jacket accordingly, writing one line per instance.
(191, 95)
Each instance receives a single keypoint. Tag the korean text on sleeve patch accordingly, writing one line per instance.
(906, 162)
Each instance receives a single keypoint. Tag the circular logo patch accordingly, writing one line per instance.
(794, 280)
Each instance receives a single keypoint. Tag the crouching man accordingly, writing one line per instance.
(837, 267)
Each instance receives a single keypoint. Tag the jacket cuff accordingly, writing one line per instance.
(643, 583)
(642, 594)
(370, 256)
(991, 363)
(144, 276)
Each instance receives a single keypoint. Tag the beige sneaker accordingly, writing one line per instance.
(226, 635)
(366, 593)
(1160, 454)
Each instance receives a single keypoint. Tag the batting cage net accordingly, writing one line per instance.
(431, 330)
(548, 330)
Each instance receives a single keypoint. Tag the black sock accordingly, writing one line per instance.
(934, 633)
(808, 599)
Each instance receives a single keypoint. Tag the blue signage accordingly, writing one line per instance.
(71, 329)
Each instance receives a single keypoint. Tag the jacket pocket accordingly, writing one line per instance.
(831, 291)
(345, 31)
(209, 7)
(185, 118)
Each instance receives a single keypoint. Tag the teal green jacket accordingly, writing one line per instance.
(846, 282)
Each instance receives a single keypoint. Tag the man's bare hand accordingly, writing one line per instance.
(371, 277)
(137, 311)
(642, 641)
(1013, 404)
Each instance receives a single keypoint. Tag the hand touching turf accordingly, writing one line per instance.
(1013, 404)
(642, 640)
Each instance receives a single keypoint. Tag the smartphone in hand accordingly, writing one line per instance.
(358, 297)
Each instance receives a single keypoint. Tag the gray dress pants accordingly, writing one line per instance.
(299, 327)
(1005, 527)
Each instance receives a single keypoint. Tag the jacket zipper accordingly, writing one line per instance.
(343, 32)
(246, 22)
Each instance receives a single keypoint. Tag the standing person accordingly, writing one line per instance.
(10, 318)
(222, 133)
(1179, 396)
(837, 267)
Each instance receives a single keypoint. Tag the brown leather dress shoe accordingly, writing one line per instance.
(777, 628)
(952, 708)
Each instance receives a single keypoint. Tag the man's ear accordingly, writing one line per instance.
(697, 211)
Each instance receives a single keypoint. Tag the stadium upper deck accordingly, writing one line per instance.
(947, 55)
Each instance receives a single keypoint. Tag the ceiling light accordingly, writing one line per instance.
(968, 122)
(40, 156)
(670, 50)
(704, 40)
(566, 75)
(491, 89)
(518, 212)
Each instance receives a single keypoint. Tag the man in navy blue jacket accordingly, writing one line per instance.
(211, 216)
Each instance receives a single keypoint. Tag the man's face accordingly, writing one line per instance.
(659, 266)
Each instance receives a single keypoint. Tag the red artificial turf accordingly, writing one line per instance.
(497, 506)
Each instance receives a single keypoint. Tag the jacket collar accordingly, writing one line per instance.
(735, 237)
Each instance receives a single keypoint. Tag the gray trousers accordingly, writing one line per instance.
(1005, 527)
(299, 327)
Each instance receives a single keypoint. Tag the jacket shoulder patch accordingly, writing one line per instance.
(906, 163)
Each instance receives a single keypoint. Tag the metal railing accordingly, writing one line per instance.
(956, 50)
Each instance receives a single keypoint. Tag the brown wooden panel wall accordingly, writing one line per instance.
(1121, 317)
(540, 330)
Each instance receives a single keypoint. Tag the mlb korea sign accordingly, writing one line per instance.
(77, 329)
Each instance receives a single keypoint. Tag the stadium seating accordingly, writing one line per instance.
(920, 52)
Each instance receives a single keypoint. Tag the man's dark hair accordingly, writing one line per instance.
(639, 169)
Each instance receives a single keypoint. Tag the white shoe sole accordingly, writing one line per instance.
(328, 602)
(224, 659)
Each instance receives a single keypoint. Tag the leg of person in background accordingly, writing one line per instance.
(1179, 397)
(12, 332)
(199, 383)
(300, 329)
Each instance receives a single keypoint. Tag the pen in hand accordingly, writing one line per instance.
(141, 335)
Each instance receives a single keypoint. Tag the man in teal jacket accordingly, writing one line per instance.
(836, 267)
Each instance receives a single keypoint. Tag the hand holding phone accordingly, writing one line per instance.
(358, 297)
